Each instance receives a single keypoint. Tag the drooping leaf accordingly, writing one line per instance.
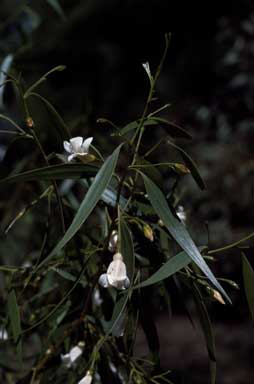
(248, 278)
(42, 79)
(190, 165)
(207, 330)
(178, 231)
(172, 266)
(57, 172)
(60, 125)
(173, 129)
(92, 197)
(14, 317)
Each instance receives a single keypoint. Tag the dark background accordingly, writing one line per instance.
(208, 79)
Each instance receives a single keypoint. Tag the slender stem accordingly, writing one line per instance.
(59, 201)
(231, 245)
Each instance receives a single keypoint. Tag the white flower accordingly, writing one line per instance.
(70, 358)
(77, 146)
(5, 67)
(87, 379)
(181, 213)
(116, 275)
(3, 334)
(113, 241)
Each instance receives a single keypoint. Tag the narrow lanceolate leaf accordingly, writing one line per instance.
(178, 231)
(60, 125)
(207, 330)
(92, 197)
(14, 317)
(118, 311)
(127, 249)
(172, 266)
(172, 129)
(57, 172)
(248, 278)
(191, 165)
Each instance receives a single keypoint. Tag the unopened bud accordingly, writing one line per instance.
(148, 232)
(181, 168)
(29, 122)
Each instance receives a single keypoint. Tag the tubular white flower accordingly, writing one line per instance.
(3, 334)
(116, 275)
(70, 358)
(87, 379)
(113, 241)
(77, 146)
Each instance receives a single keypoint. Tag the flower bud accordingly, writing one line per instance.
(148, 232)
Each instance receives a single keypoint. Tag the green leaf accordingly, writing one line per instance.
(62, 128)
(178, 231)
(191, 165)
(57, 172)
(42, 79)
(248, 278)
(207, 330)
(127, 249)
(14, 317)
(172, 266)
(92, 197)
(119, 308)
(173, 129)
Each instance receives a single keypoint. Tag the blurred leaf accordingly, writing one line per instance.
(207, 330)
(178, 231)
(248, 278)
(14, 317)
(172, 266)
(92, 197)
(61, 172)
(57, 7)
(190, 165)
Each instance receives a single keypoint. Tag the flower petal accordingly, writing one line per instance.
(76, 143)
(67, 146)
(86, 144)
(71, 157)
(103, 280)
(75, 352)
